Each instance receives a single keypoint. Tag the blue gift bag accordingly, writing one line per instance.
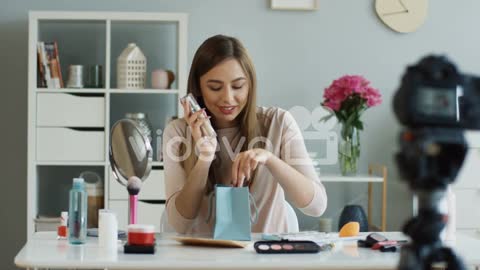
(232, 213)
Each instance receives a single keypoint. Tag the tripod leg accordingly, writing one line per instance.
(453, 261)
(409, 259)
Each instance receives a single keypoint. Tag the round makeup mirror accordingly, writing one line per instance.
(130, 152)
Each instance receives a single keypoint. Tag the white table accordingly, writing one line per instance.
(44, 251)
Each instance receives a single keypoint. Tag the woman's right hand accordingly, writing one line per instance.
(205, 145)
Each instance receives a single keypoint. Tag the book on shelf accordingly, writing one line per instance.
(41, 82)
(49, 68)
(45, 71)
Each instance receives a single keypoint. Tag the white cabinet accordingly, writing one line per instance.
(467, 186)
(68, 129)
(151, 200)
(468, 215)
(469, 175)
(152, 189)
(473, 139)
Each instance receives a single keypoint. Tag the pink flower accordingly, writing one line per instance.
(372, 96)
(348, 86)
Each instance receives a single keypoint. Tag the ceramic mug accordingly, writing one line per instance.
(162, 79)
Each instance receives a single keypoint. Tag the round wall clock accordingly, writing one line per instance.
(403, 16)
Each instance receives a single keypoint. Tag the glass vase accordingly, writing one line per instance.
(349, 150)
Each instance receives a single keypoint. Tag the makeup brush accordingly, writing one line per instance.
(133, 186)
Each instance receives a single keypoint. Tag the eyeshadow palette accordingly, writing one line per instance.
(285, 246)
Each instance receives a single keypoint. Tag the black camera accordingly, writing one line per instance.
(435, 103)
(434, 93)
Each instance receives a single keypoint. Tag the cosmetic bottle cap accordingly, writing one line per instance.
(78, 182)
(63, 218)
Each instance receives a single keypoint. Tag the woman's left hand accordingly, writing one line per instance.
(246, 162)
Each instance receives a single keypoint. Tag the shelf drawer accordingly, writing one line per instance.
(468, 176)
(148, 213)
(66, 110)
(152, 189)
(467, 201)
(65, 144)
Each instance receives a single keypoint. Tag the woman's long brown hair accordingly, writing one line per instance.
(212, 52)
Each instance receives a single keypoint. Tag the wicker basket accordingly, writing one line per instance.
(131, 68)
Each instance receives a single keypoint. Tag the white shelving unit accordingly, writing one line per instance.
(354, 179)
(377, 174)
(68, 129)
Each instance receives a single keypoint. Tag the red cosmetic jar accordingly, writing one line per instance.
(141, 234)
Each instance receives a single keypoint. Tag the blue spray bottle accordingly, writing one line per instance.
(77, 213)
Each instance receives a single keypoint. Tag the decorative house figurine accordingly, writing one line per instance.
(131, 68)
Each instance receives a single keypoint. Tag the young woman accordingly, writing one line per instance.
(255, 146)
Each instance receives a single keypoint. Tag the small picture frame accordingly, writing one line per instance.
(294, 4)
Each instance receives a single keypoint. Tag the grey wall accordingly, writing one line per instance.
(297, 54)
